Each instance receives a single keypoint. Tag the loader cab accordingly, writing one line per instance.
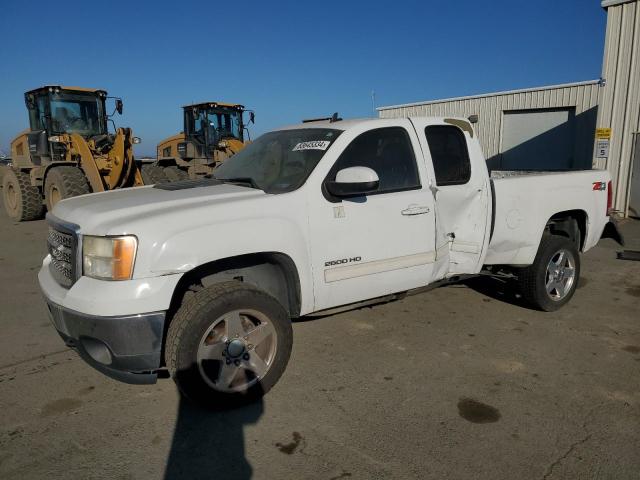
(55, 110)
(61, 110)
(208, 126)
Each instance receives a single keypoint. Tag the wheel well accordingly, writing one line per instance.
(571, 224)
(273, 272)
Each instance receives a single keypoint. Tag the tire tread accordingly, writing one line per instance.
(30, 196)
(178, 332)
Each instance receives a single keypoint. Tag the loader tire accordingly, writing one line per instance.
(64, 182)
(228, 344)
(152, 174)
(22, 201)
(175, 174)
(551, 280)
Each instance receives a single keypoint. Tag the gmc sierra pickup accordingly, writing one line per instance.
(202, 277)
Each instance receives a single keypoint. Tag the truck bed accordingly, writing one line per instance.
(523, 203)
(497, 174)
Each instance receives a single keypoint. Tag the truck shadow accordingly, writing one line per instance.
(497, 289)
(209, 444)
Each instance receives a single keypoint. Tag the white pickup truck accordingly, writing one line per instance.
(202, 277)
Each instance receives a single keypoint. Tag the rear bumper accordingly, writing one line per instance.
(125, 348)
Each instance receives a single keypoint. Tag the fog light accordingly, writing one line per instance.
(97, 350)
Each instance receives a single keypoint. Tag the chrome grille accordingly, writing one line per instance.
(61, 247)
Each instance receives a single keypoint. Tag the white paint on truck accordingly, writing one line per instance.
(424, 219)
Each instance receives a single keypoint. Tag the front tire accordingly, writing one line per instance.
(64, 182)
(228, 344)
(22, 201)
(550, 282)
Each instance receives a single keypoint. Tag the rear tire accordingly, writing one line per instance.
(228, 344)
(152, 174)
(551, 280)
(64, 182)
(22, 201)
(175, 174)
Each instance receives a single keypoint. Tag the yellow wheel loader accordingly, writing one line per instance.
(213, 132)
(67, 151)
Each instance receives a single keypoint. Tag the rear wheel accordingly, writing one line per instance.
(22, 201)
(175, 174)
(551, 280)
(152, 174)
(228, 344)
(64, 182)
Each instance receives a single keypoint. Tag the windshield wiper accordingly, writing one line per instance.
(246, 181)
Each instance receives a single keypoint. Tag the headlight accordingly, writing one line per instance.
(109, 258)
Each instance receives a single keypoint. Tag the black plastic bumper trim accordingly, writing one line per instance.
(125, 348)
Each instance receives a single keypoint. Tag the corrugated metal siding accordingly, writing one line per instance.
(620, 105)
(582, 96)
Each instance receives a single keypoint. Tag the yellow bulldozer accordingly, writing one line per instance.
(213, 132)
(67, 151)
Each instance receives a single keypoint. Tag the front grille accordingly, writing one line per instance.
(62, 248)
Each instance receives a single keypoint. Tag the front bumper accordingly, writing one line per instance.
(125, 348)
(116, 327)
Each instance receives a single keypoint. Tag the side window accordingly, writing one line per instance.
(388, 151)
(449, 153)
(166, 152)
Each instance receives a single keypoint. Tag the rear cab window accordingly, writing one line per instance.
(449, 154)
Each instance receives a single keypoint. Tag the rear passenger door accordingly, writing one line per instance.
(461, 188)
(380, 243)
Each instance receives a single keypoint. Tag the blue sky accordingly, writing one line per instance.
(288, 60)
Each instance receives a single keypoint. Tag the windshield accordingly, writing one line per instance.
(72, 113)
(279, 161)
(219, 124)
(224, 123)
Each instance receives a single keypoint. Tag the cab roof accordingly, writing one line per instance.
(347, 124)
(61, 87)
(215, 105)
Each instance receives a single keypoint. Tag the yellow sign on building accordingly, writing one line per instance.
(603, 133)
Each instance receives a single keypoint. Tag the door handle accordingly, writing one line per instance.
(415, 210)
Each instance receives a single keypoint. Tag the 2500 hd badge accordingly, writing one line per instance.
(341, 261)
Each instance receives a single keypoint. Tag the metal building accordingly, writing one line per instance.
(530, 129)
(619, 108)
(554, 127)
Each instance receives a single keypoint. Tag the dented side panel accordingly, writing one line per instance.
(524, 203)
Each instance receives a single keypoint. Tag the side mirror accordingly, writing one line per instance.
(119, 106)
(136, 140)
(354, 182)
(252, 117)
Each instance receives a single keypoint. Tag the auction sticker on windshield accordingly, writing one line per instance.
(313, 145)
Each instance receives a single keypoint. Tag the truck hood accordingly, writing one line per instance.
(118, 212)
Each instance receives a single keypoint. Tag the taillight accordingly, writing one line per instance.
(609, 198)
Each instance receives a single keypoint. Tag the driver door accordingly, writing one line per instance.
(380, 243)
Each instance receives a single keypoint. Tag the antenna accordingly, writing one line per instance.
(373, 102)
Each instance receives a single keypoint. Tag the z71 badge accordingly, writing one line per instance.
(342, 261)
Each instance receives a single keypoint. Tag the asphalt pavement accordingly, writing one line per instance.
(463, 382)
